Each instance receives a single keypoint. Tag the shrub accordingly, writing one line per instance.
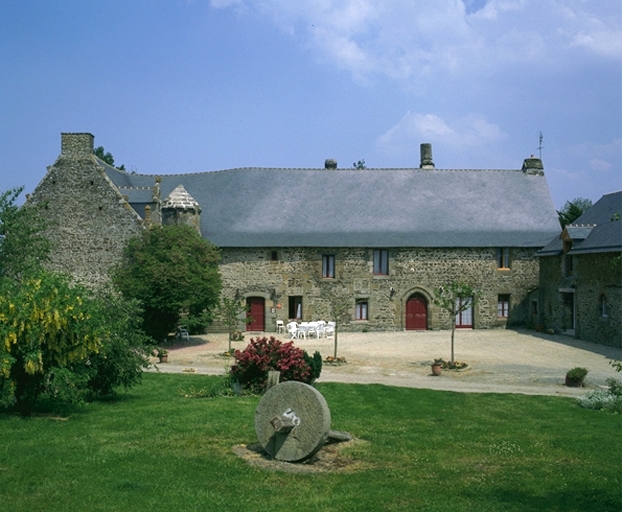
(265, 354)
(577, 373)
(604, 399)
(574, 377)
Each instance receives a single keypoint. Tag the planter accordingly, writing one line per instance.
(573, 383)
(164, 358)
(575, 377)
(437, 369)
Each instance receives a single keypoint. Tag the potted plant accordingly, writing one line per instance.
(162, 355)
(575, 377)
(437, 366)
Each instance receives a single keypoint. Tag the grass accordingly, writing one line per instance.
(152, 449)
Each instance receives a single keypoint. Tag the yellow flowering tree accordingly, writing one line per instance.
(52, 335)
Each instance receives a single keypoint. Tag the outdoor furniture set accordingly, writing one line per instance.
(319, 329)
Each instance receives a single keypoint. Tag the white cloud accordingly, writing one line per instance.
(411, 39)
(599, 164)
(469, 131)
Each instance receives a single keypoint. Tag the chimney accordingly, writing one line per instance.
(78, 145)
(330, 164)
(533, 166)
(426, 156)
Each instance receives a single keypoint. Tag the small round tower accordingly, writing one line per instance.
(180, 208)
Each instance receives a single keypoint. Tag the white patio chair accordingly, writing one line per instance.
(321, 326)
(280, 326)
(292, 329)
(182, 332)
(329, 330)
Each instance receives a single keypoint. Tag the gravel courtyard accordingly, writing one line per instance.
(504, 361)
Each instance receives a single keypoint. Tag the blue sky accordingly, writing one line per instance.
(183, 86)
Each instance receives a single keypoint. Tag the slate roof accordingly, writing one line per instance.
(180, 199)
(271, 207)
(597, 230)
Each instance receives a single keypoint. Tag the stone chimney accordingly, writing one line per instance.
(77, 145)
(533, 166)
(426, 156)
(329, 163)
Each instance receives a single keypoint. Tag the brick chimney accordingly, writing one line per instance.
(426, 156)
(77, 145)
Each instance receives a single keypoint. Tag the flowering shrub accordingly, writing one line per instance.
(604, 399)
(448, 365)
(264, 354)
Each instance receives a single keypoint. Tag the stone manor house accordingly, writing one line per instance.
(381, 239)
(581, 275)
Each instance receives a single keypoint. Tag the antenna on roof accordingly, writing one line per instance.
(540, 146)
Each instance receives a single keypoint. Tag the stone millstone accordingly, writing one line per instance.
(312, 421)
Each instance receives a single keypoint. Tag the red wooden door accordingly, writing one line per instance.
(256, 312)
(416, 313)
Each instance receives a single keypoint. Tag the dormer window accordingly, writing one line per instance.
(503, 258)
(567, 246)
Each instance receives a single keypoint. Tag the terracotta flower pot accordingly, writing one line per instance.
(436, 369)
(164, 358)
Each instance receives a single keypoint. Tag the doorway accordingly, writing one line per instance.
(416, 313)
(255, 311)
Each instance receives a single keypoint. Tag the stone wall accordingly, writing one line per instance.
(90, 222)
(598, 278)
(595, 277)
(277, 274)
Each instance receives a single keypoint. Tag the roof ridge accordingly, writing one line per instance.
(322, 169)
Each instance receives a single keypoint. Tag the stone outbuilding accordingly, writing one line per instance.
(581, 276)
(294, 241)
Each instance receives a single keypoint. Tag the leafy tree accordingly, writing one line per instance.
(106, 156)
(23, 246)
(59, 339)
(572, 210)
(455, 298)
(359, 165)
(170, 270)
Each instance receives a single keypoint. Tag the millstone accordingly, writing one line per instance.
(292, 421)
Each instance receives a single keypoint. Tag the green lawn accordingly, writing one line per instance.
(152, 449)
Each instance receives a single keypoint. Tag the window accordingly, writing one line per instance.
(381, 262)
(603, 306)
(503, 257)
(295, 307)
(360, 310)
(464, 318)
(274, 256)
(328, 266)
(503, 306)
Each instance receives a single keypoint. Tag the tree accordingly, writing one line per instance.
(360, 164)
(230, 310)
(171, 270)
(340, 310)
(106, 156)
(455, 298)
(23, 245)
(60, 339)
(572, 210)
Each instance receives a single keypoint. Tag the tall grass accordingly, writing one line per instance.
(152, 449)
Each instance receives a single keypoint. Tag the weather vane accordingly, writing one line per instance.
(540, 146)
